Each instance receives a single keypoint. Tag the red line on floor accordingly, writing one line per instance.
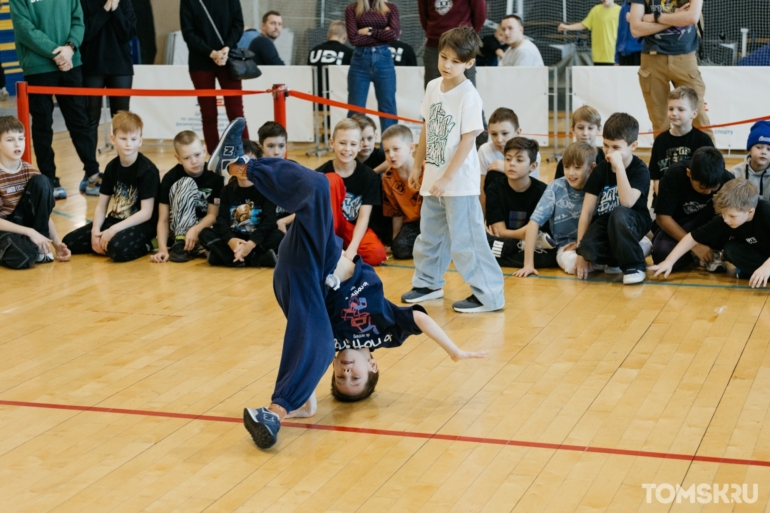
(403, 434)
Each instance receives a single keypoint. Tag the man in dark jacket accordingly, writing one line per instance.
(263, 46)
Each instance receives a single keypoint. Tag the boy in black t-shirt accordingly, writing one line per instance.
(272, 143)
(610, 239)
(355, 190)
(684, 204)
(742, 229)
(188, 202)
(131, 180)
(681, 140)
(510, 204)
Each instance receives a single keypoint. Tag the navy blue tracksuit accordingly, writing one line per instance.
(356, 315)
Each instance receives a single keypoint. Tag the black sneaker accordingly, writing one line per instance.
(471, 304)
(177, 252)
(262, 425)
(230, 147)
(268, 259)
(419, 294)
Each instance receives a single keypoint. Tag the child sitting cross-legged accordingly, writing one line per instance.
(272, 143)
(130, 185)
(685, 203)
(560, 207)
(400, 202)
(510, 205)
(26, 203)
(355, 190)
(188, 203)
(741, 230)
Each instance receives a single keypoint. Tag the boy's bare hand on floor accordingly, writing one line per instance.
(466, 355)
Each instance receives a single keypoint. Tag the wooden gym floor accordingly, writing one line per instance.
(122, 386)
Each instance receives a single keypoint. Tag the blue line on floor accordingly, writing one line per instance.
(70, 216)
(595, 280)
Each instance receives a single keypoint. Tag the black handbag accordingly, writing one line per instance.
(240, 61)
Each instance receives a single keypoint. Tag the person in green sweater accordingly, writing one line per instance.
(48, 34)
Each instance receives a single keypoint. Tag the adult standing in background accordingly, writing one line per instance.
(371, 25)
(208, 57)
(438, 16)
(145, 30)
(628, 49)
(668, 55)
(602, 21)
(110, 27)
(263, 45)
(48, 37)
(521, 51)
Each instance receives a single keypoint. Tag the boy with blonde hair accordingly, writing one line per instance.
(586, 125)
(188, 202)
(130, 185)
(26, 203)
(356, 189)
(742, 230)
(452, 224)
(400, 202)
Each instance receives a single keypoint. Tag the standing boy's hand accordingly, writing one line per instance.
(439, 187)
(160, 257)
(414, 178)
(760, 276)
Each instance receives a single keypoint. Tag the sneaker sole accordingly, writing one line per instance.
(433, 295)
(612, 272)
(178, 260)
(635, 280)
(216, 163)
(259, 432)
(475, 309)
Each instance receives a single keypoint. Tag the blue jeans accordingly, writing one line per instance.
(373, 64)
(452, 227)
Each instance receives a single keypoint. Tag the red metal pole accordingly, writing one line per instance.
(22, 112)
(280, 92)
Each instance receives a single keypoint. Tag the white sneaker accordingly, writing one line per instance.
(646, 245)
(608, 269)
(717, 265)
(633, 276)
(44, 258)
(545, 241)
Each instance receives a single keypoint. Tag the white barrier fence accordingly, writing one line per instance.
(525, 90)
(732, 94)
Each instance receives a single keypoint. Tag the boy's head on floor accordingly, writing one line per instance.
(354, 375)
(457, 50)
(503, 126)
(368, 135)
(682, 107)
(736, 202)
(272, 139)
(398, 145)
(12, 142)
(190, 152)
(758, 146)
(586, 124)
(126, 133)
(346, 141)
(579, 160)
(520, 157)
(706, 170)
(621, 134)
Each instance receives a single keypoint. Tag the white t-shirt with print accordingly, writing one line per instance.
(447, 117)
(488, 154)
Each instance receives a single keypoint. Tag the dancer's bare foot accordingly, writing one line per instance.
(307, 410)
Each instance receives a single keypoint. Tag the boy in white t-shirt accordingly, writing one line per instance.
(452, 224)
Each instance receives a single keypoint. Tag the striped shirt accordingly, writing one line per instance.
(12, 187)
(376, 21)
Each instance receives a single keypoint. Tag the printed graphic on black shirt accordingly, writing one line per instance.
(609, 200)
(124, 204)
(245, 218)
(440, 124)
(674, 155)
(357, 315)
(320, 56)
(350, 206)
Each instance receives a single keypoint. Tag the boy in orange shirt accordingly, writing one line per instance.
(399, 200)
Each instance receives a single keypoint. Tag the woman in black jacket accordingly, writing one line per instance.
(208, 57)
(106, 53)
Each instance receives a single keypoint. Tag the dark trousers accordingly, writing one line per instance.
(308, 254)
(614, 239)
(73, 108)
(403, 243)
(510, 253)
(220, 252)
(663, 243)
(117, 103)
(233, 104)
(126, 245)
(743, 256)
(33, 211)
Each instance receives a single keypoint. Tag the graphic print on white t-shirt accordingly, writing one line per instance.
(440, 124)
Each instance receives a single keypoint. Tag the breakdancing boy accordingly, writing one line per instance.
(330, 302)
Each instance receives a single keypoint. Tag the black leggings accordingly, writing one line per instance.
(33, 211)
(221, 254)
(510, 253)
(117, 103)
(126, 245)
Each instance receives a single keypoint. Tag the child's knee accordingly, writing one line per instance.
(567, 260)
